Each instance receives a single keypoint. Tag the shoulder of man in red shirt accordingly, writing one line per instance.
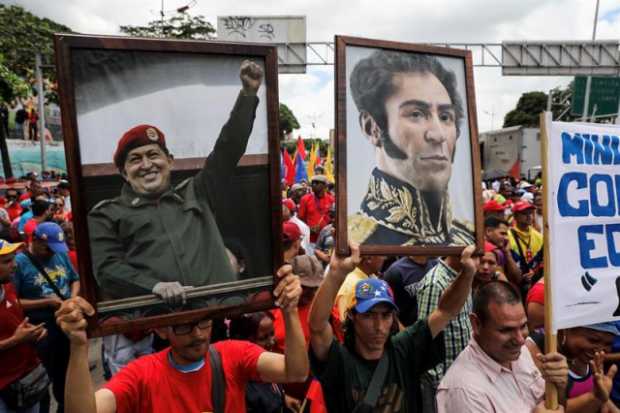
(239, 363)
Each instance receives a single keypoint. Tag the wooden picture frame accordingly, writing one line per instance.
(107, 85)
(389, 216)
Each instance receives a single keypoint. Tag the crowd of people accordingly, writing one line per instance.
(356, 333)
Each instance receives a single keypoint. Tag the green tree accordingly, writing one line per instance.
(23, 36)
(179, 26)
(11, 85)
(288, 121)
(528, 110)
(532, 103)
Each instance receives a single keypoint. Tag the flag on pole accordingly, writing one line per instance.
(301, 150)
(300, 169)
(290, 168)
(311, 161)
(329, 165)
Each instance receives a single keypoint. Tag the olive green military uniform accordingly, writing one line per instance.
(137, 242)
(395, 213)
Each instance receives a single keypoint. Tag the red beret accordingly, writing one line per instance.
(135, 137)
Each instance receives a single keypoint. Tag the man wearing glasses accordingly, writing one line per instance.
(181, 378)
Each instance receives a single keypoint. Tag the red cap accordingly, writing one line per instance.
(135, 137)
(489, 247)
(493, 206)
(522, 206)
(290, 231)
(290, 204)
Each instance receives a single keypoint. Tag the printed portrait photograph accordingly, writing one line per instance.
(410, 169)
(173, 150)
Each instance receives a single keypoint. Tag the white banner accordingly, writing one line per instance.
(583, 198)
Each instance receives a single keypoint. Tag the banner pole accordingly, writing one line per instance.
(551, 343)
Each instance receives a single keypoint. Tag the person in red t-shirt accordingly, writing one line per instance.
(179, 378)
(12, 205)
(535, 303)
(41, 211)
(314, 207)
(18, 355)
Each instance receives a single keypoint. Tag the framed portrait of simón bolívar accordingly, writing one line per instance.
(172, 149)
(407, 156)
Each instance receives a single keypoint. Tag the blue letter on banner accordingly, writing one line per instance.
(566, 210)
(599, 210)
(586, 245)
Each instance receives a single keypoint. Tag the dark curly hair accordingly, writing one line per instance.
(371, 81)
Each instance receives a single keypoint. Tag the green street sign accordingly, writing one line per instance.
(604, 94)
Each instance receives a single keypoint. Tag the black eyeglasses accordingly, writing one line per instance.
(183, 329)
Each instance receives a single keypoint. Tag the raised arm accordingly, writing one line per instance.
(294, 365)
(321, 334)
(233, 139)
(455, 296)
(80, 395)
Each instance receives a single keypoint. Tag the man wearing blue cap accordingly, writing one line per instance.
(378, 368)
(44, 277)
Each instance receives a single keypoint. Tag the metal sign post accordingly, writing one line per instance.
(41, 110)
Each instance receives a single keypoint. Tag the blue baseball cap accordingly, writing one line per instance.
(53, 235)
(371, 292)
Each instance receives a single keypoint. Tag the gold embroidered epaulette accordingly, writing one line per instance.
(360, 227)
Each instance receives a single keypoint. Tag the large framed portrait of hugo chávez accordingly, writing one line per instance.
(407, 156)
(172, 148)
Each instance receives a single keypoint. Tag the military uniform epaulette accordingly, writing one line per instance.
(183, 184)
(105, 202)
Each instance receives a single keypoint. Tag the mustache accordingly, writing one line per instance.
(197, 342)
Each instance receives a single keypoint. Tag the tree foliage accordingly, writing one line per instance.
(528, 110)
(11, 85)
(288, 121)
(23, 36)
(530, 105)
(179, 26)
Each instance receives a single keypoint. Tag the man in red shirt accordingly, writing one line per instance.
(18, 355)
(314, 207)
(41, 211)
(12, 205)
(180, 378)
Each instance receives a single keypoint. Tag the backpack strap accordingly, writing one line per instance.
(218, 381)
(45, 275)
(376, 384)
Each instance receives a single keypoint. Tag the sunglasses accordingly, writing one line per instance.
(183, 329)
